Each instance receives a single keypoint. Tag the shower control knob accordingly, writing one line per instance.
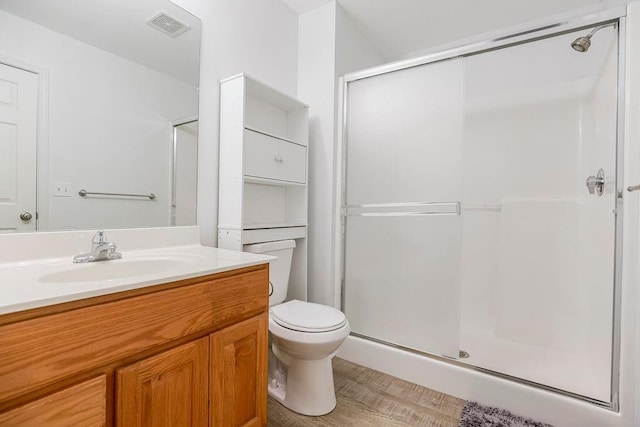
(595, 184)
(26, 216)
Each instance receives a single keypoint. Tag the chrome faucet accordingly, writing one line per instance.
(101, 250)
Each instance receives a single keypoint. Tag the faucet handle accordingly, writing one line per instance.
(99, 237)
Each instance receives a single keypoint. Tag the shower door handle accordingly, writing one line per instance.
(595, 184)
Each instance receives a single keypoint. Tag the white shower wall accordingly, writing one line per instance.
(537, 254)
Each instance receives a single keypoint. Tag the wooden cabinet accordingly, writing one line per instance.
(169, 389)
(239, 357)
(264, 137)
(81, 405)
(150, 356)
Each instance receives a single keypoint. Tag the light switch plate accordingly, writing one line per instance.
(61, 189)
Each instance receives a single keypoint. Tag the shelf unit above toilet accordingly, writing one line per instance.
(263, 192)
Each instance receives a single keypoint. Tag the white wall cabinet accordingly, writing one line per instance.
(263, 171)
(272, 158)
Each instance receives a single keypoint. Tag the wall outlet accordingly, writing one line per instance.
(61, 189)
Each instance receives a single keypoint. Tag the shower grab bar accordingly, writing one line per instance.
(85, 193)
(459, 208)
(422, 208)
(401, 213)
(396, 205)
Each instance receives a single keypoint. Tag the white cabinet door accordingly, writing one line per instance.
(260, 155)
(18, 120)
(293, 165)
(272, 158)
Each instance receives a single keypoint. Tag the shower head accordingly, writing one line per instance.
(582, 44)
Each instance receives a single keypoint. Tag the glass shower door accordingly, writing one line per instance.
(517, 146)
(402, 207)
(539, 212)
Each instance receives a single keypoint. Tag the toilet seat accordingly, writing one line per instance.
(307, 317)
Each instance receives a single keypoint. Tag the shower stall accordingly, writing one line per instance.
(481, 207)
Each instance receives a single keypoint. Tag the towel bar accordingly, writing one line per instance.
(85, 193)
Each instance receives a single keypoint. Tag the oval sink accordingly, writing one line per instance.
(112, 270)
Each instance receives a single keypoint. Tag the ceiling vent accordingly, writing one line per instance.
(169, 25)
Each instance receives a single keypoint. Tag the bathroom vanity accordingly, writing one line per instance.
(187, 350)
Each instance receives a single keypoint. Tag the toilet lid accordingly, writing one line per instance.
(307, 316)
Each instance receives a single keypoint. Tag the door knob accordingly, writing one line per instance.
(595, 184)
(26, 216)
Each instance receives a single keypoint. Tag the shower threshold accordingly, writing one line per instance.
(471, 364)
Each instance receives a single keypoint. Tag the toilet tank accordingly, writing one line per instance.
(278, 269)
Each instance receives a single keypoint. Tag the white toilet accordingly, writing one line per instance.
(304, 338)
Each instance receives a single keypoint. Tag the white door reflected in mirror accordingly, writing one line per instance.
(18, 118)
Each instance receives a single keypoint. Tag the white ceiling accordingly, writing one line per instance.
(399, 28)
(119, 27)
(396, 28)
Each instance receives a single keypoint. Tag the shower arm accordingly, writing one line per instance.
(596, 29)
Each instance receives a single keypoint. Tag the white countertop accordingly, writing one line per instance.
(46, 281)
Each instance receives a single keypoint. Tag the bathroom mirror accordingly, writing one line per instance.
(97, 96)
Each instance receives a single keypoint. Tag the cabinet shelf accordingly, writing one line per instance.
(274, 135)
(270, 181)
(274, 225)
(261, 235)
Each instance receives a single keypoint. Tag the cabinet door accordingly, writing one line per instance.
(293, 162)
(170, 389)
(80, 405)
(239, 374)
(260, 155)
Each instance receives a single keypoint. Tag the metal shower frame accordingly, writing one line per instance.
(612, 17)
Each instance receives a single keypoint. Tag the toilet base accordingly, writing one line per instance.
(309, 387)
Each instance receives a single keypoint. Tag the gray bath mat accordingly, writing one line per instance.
(477, 415)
